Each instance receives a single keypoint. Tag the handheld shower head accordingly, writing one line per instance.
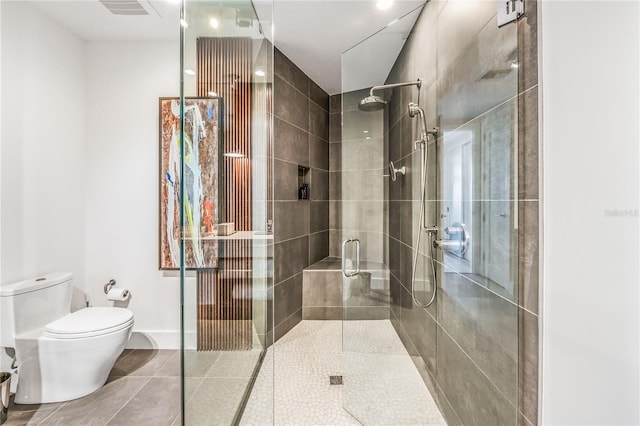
(414, 109)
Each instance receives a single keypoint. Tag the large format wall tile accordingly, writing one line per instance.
(286, 325)
(362, 154)
(319, 185)
(293, 106)
(318, 246)
(485, 326)
(322, 288)
(318, 153)
(362, 215)
(292, 218)
(319, 96)
(528, 161)
(289, 72)
(301, 135)
(319, 216)
(291, 143)
(528, 366)
(529, 252)
(528, 47)
(474, 398)
(421, 328)
(486, 342)
(285, 176)
(318, 121)
(290, 258)
(289, 296)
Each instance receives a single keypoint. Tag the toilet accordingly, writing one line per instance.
(60, 355)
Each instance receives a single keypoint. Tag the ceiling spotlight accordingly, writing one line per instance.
(184, 23)
(189, 71)
(514, 65)
(234, 154)
(260, 73)
(213, 23)
(384, 4)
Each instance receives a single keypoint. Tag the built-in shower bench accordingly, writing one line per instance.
(365, 296)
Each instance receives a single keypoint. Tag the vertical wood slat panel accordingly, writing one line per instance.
(224, 295)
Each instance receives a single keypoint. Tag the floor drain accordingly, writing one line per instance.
(335, 380)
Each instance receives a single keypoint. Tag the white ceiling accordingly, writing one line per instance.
(315, 33)
(312, 33)
(90, 20)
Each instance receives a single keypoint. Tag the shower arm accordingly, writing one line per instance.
(418, 83)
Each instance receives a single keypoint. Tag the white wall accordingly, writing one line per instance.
(43, 144)
(590, 101)
(41, 149)
(79, 164)
(125, 80)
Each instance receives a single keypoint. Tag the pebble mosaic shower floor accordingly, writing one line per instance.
(381, 384)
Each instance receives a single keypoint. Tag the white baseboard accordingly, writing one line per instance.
(160, 339)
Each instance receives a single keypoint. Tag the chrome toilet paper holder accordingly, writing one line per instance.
(108, 286)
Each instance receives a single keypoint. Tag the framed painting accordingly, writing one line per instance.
(202, 167)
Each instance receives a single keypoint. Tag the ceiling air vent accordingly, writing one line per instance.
(124, 7)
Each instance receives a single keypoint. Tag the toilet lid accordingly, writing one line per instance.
(90, 321)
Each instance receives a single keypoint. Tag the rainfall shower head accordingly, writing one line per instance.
(376, 103)
(372, 103)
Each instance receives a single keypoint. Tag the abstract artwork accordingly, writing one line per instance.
(202, 136)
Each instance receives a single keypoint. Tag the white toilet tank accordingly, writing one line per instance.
(31, 304)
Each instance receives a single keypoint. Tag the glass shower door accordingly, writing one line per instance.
(381, 382)
(430, 274)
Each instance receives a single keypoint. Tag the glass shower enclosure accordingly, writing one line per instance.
(431, 273)
(222, 157)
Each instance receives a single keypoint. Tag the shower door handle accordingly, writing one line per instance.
(356, 271)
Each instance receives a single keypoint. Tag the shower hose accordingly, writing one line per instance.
(422, 227)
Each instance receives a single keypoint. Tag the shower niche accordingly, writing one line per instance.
(304, 188)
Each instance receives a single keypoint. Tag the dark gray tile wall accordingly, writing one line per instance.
(301, 227)
(478, 344)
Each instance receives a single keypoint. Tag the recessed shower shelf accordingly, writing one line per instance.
(304, 192)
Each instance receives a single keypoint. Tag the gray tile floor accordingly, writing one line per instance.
(144, 389)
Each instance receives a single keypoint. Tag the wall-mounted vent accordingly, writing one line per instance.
(124, 7)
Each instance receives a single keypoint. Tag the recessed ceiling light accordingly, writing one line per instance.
(184, 23)
(213, 23)
(365, 131)
(368, 138)
(384, 4)
(234, 154)
(189, 71)
(514, 64)
(260, 73)
(212, 93)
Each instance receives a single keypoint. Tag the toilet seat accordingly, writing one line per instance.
(89, 322)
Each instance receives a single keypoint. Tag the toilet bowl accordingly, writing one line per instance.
(60, 355)
(72, 356)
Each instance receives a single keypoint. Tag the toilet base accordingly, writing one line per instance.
(55, 370)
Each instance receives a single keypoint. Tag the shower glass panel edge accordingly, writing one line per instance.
(226, 271)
